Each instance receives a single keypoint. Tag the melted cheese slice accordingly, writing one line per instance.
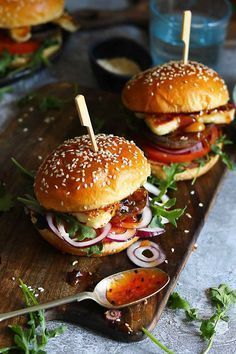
(97, 218)
(67, 22)
(20, 34)
(216, 117)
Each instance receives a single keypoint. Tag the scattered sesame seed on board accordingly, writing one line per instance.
(201, 205)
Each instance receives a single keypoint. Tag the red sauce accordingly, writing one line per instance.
(135, 285)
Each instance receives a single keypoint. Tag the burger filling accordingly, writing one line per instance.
(23, 47)
(127, 209)
(185, 138)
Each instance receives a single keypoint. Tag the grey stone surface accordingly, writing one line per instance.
(212, 263)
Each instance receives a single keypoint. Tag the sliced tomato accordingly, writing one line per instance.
(13, 47)
(154, 154)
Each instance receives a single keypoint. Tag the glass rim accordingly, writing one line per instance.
(213, 23)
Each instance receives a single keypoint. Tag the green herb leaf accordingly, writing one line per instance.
(75, 228)
(171, 215)
(207, 329)
(6, 199)
(4, 90)
(33, 338)
(223, 296)
(177, 302)
(32, 203)
(6, 60)
(95, 249)
(217, 150)
(156, 222)
(22, 169)
(50, 103)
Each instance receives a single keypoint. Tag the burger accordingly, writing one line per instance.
(29, 28)
(181, 110)
(92, 203)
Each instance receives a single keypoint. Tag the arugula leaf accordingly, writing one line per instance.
(177, 302)
(217, 150)
(4, 90)
(75, 228)
(6, 60)
(22, 169)
(6, 199)
(169, 182)
(32, 203)
(33, 338)
(161, 210)
(50, 102)
(201, 163)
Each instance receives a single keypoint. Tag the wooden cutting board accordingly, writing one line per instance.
(23, 253)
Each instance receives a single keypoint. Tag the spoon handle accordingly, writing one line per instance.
(48, 305)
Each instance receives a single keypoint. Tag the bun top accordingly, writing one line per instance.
(20, 13)
(175, 87)
(73, 178)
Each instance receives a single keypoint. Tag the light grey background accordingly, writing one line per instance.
(212, 263)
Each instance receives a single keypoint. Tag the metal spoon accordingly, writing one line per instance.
(99, 294)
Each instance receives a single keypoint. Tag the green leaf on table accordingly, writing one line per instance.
(223, 296)
(32, 338)
(22, 169)
(6, 60)
(176, 302)
(4, 90)
(217, 150)
(6, 199)
(50, 102)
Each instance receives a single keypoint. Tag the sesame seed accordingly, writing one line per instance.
(201, 205)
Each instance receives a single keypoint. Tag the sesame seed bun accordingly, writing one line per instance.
(175, 87)
(23, 13)
(73, 178)
(188, 173)
(108, 248)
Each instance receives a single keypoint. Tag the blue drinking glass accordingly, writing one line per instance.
(210, 20)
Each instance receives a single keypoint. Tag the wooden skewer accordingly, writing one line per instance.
(85, 119)
(185, 36)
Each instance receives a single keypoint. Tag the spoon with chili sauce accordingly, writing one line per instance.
(116, 291)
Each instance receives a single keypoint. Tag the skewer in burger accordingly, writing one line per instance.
(182, 109)
(93, 203)
(28, 27)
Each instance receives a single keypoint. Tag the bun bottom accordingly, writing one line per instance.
(108, 248)
(188, 173)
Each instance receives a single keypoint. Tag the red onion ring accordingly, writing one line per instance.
(138, 252)
(127, 235)
(155, 191)
(135, 254)
(149, 232)
(51, 225)
(104, 231)
(145, 219)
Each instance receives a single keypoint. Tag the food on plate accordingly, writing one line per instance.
(92, 202)
(181, 110)
(30, 33)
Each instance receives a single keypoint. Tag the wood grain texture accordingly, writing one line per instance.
(26, 255)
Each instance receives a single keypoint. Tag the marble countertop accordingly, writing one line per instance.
(214, 261)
